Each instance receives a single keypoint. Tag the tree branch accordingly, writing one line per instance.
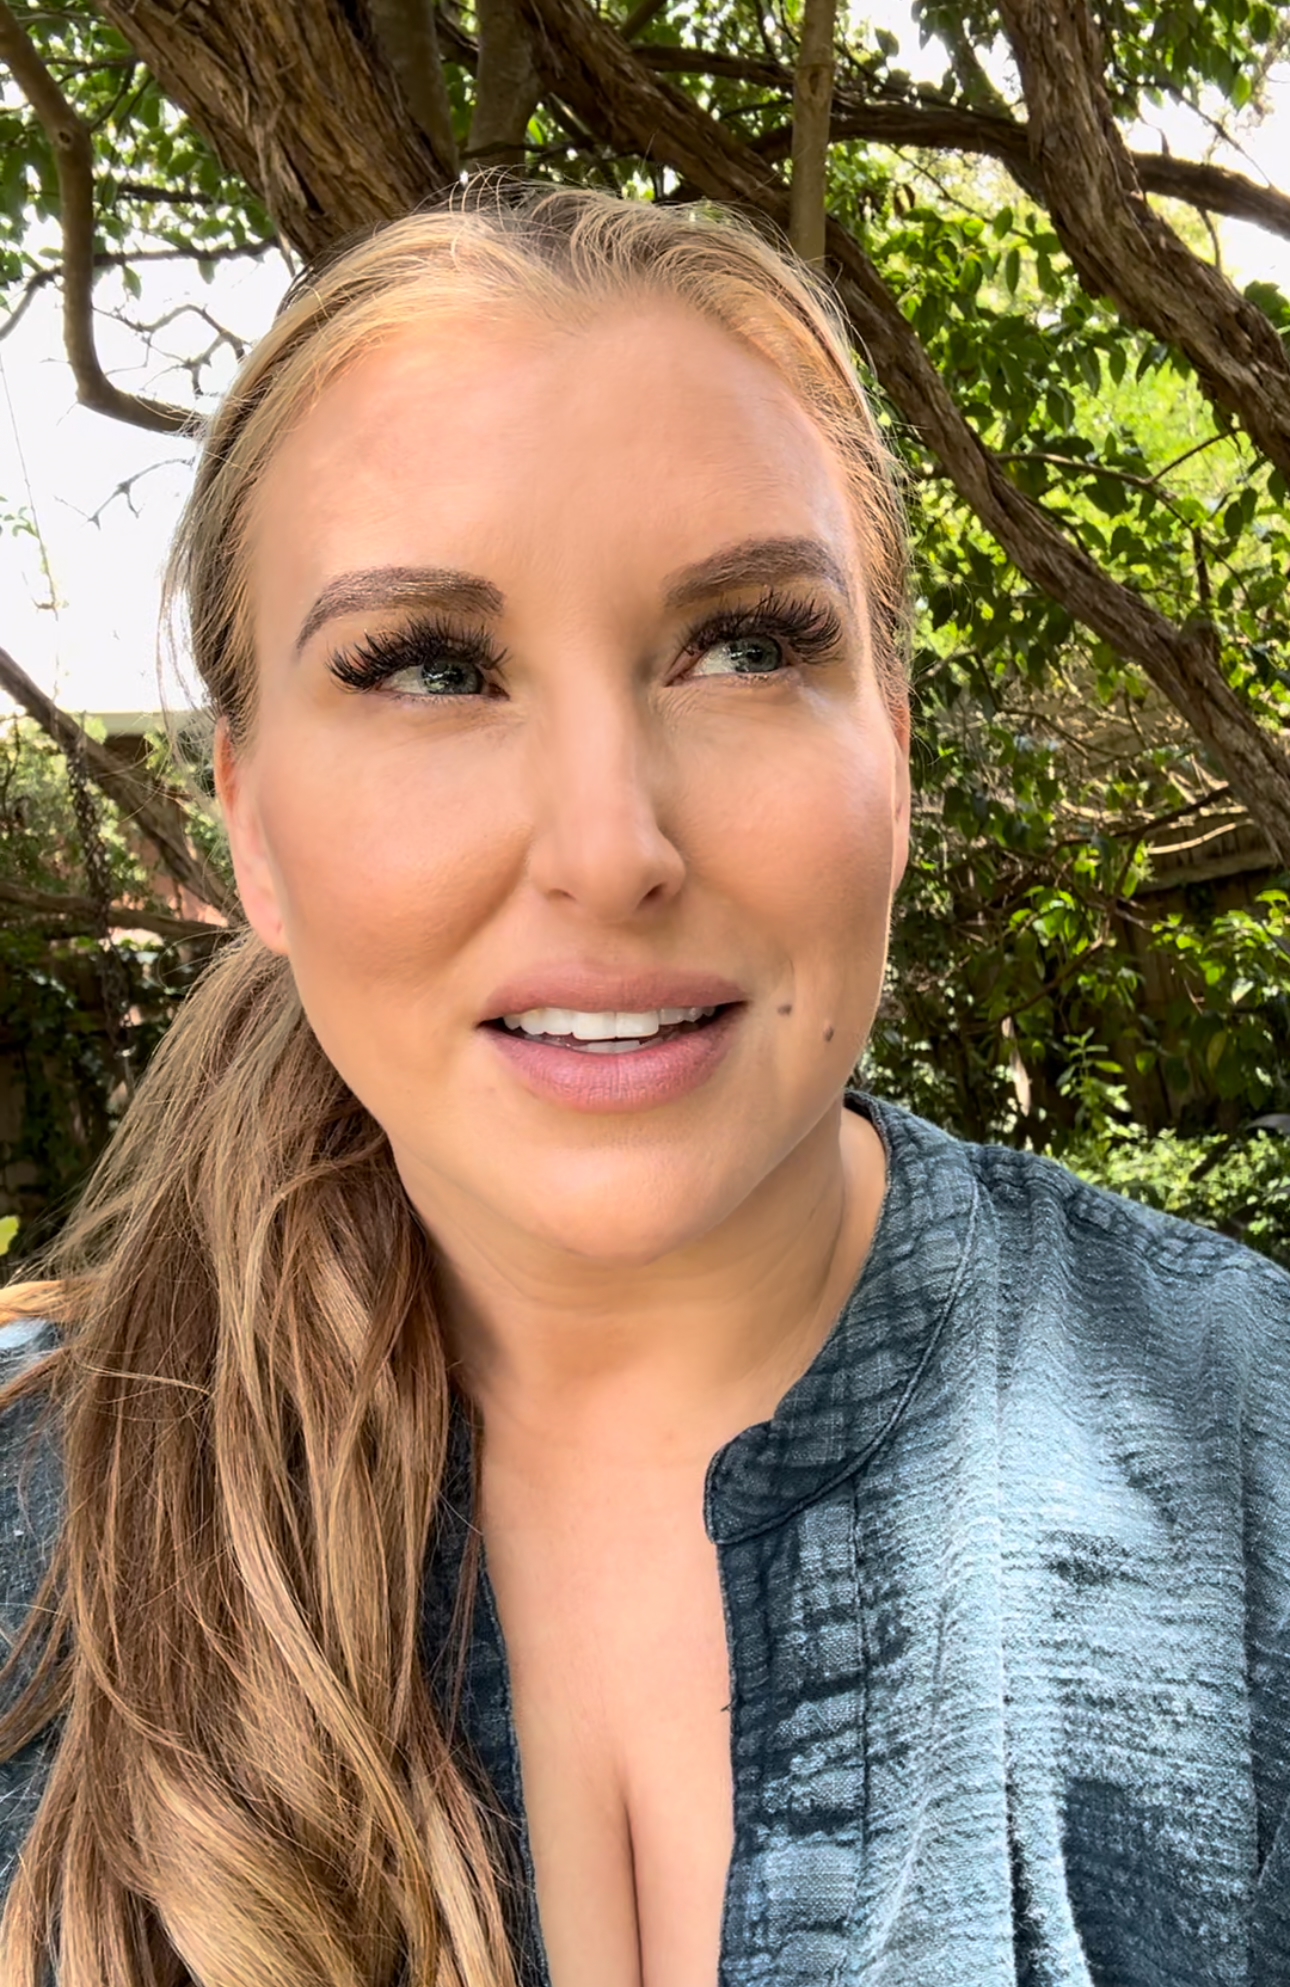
(950, 128)
(407, 32)
(80, 917)
(168, 196)
(966, 64)
(640, 17)
(1183, 662)
(74, 158)
(609, 85)
(39, 279)
(506, 85)
(153, 811)
(1120, 247)
(35, 283)
(812, 104)
(455, 45)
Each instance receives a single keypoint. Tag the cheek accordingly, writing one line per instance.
(806, 838)
(385, 864)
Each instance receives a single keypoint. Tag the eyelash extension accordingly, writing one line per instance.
(810, 628)
(426, 641)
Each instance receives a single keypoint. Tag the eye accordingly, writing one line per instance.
(768, 639)
(427, 660)
(438, 679)
(743, 655)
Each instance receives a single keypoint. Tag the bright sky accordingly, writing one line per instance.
(86, 627)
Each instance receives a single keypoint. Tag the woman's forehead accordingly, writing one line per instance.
(646, 427)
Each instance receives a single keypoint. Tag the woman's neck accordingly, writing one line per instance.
(598, 1364)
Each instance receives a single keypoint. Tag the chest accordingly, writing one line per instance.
(616, 1647)
(949, 1754)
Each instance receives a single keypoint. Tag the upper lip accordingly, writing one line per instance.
(586, 991)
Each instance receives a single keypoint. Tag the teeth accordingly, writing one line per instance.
(601, 1028)
(636, 1024)
(589, 1027)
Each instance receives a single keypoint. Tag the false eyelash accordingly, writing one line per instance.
(426, 641)
(811, 628)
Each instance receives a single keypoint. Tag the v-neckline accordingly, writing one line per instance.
(756, 1482)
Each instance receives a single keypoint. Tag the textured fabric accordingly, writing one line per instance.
(30, 1516)
(1007, 1592)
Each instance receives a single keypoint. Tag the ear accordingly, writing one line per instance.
(255, 880)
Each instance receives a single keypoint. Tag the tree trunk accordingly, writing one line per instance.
(812, 105)
(408, 35)
(1119, 245)
(506, 86)
(297, 98)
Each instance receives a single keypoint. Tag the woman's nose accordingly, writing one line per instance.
(599, 837)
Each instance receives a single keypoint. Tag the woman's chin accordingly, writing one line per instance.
(617, 1208)
(624, 1224)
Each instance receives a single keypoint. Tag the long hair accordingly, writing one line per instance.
(254, 1783)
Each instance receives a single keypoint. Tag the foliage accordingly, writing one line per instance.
(1240, 1187)
(1046, 766)
(1062, 972)
(58, 1054)
(42, 844)
(63, 1025)
(161, 190)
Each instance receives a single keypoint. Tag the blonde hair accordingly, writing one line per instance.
(254, 1785)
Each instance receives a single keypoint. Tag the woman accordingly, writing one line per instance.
(498, 1344)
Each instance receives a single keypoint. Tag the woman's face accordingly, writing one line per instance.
(567, 711)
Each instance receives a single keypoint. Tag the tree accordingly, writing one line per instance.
(1095, 421)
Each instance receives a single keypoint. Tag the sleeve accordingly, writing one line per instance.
(1266, 1461)
(30, 1479)
(31, 1504)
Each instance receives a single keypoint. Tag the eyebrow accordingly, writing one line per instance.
(756, 561)
(401, 586)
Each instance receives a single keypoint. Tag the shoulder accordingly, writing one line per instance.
(30, 1470)
(1119, 1285)
(24, 1341)
(1031, 1200)
(1094, 1221)
(31, 1507)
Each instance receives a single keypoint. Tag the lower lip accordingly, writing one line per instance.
(632, 1081)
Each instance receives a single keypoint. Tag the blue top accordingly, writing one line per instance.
(1007, 1591)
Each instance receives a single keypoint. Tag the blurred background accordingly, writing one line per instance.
(1066, 269)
